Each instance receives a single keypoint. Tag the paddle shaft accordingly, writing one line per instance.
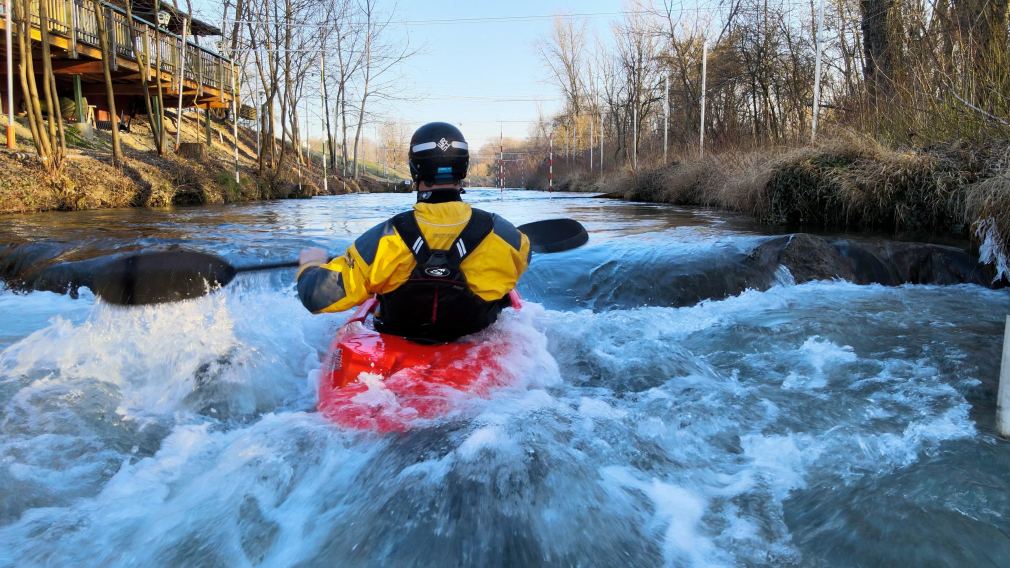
(268, 266)
(294, 263)
(154, 277)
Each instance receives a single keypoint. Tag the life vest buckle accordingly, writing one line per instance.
(437, 265)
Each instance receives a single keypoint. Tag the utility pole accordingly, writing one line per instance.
(182, 77)
(308, 159)
(294, 146)
(817, 71)
(634, 134)
(326, 181)
(326, 106)
(501, 158)
(259, 117)
(666, 118)
(577, 154)
(704, 71)
(600, 107)
(550, 165)
(234, 114)
(326, 117)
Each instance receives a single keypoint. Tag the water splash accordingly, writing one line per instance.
(773, 427)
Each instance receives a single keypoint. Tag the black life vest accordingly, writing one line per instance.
(435, 305)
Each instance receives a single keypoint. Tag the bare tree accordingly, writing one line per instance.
(144, 62)
(562, 53)
(878, 50)
(381, 58)
(107, 53)
(48, 135)
(349, 60)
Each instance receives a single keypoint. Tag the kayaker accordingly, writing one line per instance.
(440, 271)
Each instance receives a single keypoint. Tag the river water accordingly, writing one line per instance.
(820, 424)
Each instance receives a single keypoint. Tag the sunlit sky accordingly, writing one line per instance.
(471, 71)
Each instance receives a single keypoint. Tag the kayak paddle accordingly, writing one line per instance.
(156, 277)
(555, 235)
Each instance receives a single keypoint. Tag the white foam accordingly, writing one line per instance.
(377, 395)
(781, 460)
(595, 408)
(783, 276)
(693, 468)
(486, 441)
(992, 247)
(157, 356)
(677, 515)
(818, 354)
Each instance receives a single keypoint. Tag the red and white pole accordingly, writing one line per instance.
(550, 165)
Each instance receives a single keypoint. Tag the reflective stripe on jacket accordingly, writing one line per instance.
(379, 261)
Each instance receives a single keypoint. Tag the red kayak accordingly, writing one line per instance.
(377, 381)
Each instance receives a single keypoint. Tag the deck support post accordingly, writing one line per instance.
(158, 116)
(110, 24)
(79, 99)
(72, 10)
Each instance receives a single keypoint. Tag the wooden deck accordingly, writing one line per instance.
(73, 27)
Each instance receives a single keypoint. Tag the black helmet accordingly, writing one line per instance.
(438, 154)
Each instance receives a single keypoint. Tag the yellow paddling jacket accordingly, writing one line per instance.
(440, 271)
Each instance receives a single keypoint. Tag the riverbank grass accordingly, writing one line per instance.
(850, 182)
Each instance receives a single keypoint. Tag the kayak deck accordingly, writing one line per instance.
(377, 381)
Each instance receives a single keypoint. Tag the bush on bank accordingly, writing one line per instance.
(852, 183)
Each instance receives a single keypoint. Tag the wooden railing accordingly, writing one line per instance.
(76, 21)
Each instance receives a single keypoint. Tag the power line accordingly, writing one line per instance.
(499, 19)
(489, 99)
(441, 21)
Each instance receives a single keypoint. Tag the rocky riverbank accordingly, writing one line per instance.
(88, 180)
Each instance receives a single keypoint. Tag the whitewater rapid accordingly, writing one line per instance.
(821, 423)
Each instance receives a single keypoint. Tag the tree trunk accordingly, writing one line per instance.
(326, 111)
(878, 61)
(107, 52)
(364, 99)
(342, 102)
(29, 88)
(160, 115)
(144, 62)
(57, 137)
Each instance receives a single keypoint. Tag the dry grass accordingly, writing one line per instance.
(83, 184)
(731, 180)
(850, 182)
(90, 181)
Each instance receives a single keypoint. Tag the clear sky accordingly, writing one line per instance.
(476, 73)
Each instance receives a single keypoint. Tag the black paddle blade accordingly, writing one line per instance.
(160, 276)
(555, 235)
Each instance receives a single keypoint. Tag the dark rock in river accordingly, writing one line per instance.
(604, 280)
(607, 281)
(891, 263)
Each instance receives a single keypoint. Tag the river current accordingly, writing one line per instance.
(819, 424)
